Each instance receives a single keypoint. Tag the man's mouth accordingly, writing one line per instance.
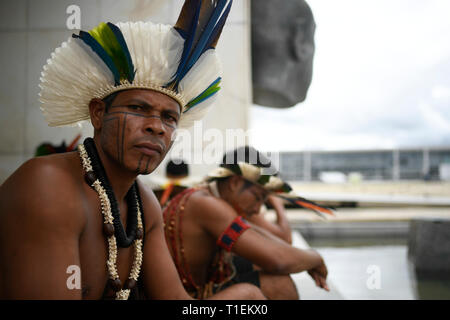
(149, 148)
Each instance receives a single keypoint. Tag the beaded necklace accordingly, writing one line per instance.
(98, 180)
(172, 212)
(123, 240)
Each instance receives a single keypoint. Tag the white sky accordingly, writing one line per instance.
(381, 79)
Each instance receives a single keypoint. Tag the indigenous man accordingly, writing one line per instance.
(280, 227)
(135, 82)
(204, 224)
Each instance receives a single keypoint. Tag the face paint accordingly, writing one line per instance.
(137, 129)
(249, 199)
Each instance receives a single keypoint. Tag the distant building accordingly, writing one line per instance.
(397, 164)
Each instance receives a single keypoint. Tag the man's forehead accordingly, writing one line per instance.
(148, 96)
(260, 189)
(254, 186)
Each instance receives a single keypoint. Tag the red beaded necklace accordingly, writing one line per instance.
(174, 210)
(220, 270)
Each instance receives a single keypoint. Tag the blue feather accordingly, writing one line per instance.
(218, 28)
(188, 42)
(184, 34)
(204, 37)
(123, 44)
(98, 49)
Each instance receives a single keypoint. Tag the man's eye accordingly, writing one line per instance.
(170, 118)
(135, 107)
(256, 196)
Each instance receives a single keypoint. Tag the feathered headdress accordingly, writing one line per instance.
(270, 182)
(179, 61)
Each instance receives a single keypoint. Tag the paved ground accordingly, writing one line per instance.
(369, 215)
(305, 285)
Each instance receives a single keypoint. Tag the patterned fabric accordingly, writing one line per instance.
(232, 233)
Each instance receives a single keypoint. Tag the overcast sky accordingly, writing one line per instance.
(381, 79)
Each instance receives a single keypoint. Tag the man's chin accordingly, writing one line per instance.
(146, 164)
(146, 173)
(148, 169)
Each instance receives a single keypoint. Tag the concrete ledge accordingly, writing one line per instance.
(355, 229)
(306, 287)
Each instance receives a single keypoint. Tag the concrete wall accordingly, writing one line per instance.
(429, 247)
(31, 29)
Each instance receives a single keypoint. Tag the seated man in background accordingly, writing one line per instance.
(203, 225)
(280, 227)
(176, 173)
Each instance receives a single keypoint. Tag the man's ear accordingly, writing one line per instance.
(234, 183)
(97, 109)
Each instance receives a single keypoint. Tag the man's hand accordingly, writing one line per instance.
(319, 274)
(280, 227)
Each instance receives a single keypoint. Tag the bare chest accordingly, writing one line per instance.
(199, 248)
(93, 250)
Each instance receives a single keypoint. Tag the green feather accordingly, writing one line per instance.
(107, 39)
(197, 100)
(204, 95)
(263, 179)
(286, 188)
(235, 168)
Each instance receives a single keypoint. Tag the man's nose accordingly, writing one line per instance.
(154, 125)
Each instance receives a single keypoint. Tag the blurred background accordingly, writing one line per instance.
(353, 96)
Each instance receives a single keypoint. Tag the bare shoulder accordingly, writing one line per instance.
(47, 167)
(47, 187)
(206, 205)
(212, 214)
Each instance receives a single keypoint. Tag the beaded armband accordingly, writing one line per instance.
(232, 233)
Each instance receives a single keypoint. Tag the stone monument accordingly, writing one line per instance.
(282, 34)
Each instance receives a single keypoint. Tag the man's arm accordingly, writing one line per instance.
(272, 256)
(161, 279)
(39, 234)
(281, 228)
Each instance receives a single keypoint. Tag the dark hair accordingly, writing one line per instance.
(246, 154)
(247, 184)
(177, 167)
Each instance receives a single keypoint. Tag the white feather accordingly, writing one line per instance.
(74, 74)
(202, 74)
